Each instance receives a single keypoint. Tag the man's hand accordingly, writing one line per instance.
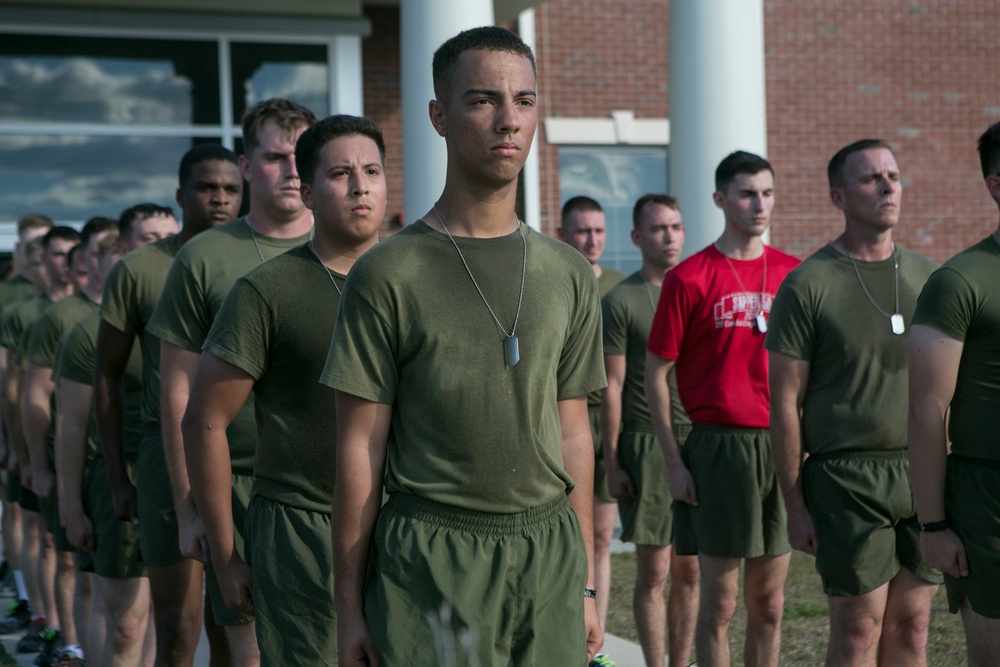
(619, 483)
(236, 584)
(355, 645)
(802, 532)
(191, 531)
(43, 482)
(80, 532)
(125, 501)
(943, 550)
(595, 636)
(682, 485)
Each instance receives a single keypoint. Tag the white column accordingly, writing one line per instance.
(424, 26)
(347, 90)
(717, 102)
(531, 174)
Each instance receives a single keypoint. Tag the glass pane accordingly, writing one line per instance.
(71, 178)
(298, 72)
(616, 177)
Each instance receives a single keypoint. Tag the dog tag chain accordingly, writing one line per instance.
(896, 318)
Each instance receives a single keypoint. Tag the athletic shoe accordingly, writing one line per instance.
(601, 660)
(33, 640)
(52, 650)
(18, 617)
(71, 658)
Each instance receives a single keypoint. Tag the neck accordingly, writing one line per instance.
(653, 274)
(190, 230)
(337, 255)
(267, 225)
(93, 292)
(58, 292)
(597, 269)
(739, 246)
(865, 246)
(467, 214)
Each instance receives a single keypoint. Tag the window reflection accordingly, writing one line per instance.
(75, 177)
(297, 72)
(616, 176)
(116, 81)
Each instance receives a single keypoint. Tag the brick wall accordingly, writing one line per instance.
(917, 73)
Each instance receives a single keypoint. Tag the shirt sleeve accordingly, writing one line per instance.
(791, 327)
(581, 365)
(76, 357)
(181, 317)
(947, 303)
(670, 321)
(118, 304)
(613, 319)
(241, 332)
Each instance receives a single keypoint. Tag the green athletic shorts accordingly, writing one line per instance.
(13, 488)
(862, 507)
(450, 586)
(740, 513)
(600, 474)
(28, 499)
(648, 518)
(158, 537)
(224, 616)
(49, 509)
(118, 555)
(291, 560)
(972, 504)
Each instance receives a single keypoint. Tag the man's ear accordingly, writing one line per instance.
(837, 197)
(435, 110)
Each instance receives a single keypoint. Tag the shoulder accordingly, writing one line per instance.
(279, 268)
(562, 256)
(627, 287)
(778, 258)
(916, 260)
(211, 242)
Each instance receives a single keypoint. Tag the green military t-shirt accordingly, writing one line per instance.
(412, 331)
(54, 322)
(199, 280)
(14, 290)
(19, 318)
(276, 324)
(605, 282)
(131, 293)
(76, 362)
(856, 396)
(627, 312)
(962, 301)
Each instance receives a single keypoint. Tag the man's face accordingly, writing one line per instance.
(747, 202)
(150, 230)
(35, 270)
(90, 252)
(54, 259)
(660, 236)
(585, 231)
(871, 194)
(270, 171)
(347, 194)
(79, 274)
(106, 262)
(212, 195)
(20, 261)
(489, 119)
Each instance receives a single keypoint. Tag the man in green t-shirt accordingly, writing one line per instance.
(72, 590)
(837, 340)
(637, 475)
(463, 352)
(267, 338)
(955, 387)
(209, 192)
(582, 226)
(198, 282)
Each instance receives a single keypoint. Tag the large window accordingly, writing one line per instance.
(92, 124)
(616, 176)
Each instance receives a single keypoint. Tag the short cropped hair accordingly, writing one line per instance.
(34, 246)
(34, 221)
(311, 141)
(138, 213)
(739, 162)
(97, 225)
(486, 38)
(200, 154)
(580, 204)
(110, 243)
(649, 200)
(286, 114)
(62, 233)
(835, 170)
(989, 151)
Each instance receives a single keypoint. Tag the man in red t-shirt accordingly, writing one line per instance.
(710, 325)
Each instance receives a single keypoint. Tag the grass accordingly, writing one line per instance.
(805, 628)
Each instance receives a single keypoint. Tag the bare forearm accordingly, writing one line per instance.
(109, 402)
(578, 460)
(611, 420)
(660, 408)
(928, 453)
(37, 420)
(786, 444)
(210, 477)
(71, 457)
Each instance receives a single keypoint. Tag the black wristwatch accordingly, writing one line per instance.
(933, 526)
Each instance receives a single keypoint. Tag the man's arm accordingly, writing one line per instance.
(110, 361)
(6, 449)
(578, 459)
(619, 483)
(788, 379)
(37, 415)
(658, 397)
(933, 369)
(362, 430)
(74, 402)
(219, 392)
(10, 407)
(177, 370)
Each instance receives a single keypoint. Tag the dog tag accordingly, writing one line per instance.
(897, 324)
(511, 353)
(761, 323)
